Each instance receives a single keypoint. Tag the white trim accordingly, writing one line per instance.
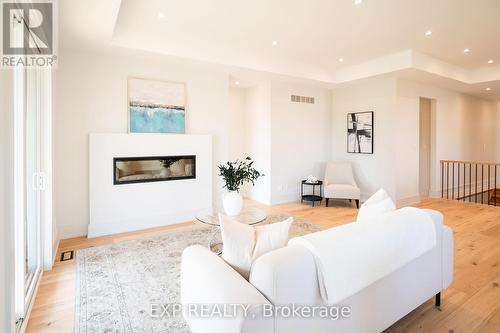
(408, 201)
(19, 181)
(55, 247)
(46, 167)
(72, 231)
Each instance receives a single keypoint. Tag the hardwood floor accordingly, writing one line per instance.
(471, 304)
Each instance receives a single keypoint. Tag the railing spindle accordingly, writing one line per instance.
(488, 193)
(442, 180)
(464, 181)
(470, 181)
(475, 193)
(495, 193)
(447, 179)
(482, 183)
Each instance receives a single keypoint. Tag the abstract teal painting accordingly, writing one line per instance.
(156, 106)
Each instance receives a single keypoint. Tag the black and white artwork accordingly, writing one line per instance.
(360, 132)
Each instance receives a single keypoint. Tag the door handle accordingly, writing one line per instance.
(38, 181)
(34, 181)
(42, 181)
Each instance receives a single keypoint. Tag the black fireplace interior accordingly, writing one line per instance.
(128, 170)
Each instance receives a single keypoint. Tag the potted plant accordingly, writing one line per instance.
(235, 174)
(166, 164)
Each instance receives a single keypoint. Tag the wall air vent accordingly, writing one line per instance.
(302, 99)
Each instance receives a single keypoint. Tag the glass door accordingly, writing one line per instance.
(32, 181)
(28, 186)
(31, 94)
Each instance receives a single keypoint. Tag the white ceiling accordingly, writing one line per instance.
(373, 38)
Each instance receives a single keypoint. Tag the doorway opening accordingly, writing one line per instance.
(426, 116)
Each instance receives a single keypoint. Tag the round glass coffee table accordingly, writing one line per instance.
(248, 216)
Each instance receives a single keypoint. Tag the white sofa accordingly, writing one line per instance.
(288, 276)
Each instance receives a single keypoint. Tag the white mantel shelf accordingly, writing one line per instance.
(128, 207)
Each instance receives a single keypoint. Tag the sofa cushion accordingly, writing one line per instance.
(242, 243)
(378, 204)
(270, 237)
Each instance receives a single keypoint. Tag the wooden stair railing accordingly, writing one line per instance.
(471, 181)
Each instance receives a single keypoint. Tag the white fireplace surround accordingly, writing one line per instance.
(128, 207)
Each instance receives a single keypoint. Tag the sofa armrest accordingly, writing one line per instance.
(208, 280)
(445, 235)
(448, 251)
(286, 276)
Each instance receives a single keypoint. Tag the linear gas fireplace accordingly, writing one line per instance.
(129, 170)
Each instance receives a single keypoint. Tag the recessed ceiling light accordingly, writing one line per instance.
(161, 15)
(341, 59)
(488, 89)
(358, 2)
(274, 43)
(236, 82)
(490, 61)
(428, 33)
(466, 50)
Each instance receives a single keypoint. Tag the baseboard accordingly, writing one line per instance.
(102, 228)
(55, 247)
(435, 193)
(285, 199)
(408, 201)
(72, 231)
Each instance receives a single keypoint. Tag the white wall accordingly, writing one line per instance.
(371, 171)
(92, 97)
(258, 138)
(236, 123)
(288, 141)
(300, 137)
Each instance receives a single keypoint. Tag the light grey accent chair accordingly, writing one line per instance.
(339, 182)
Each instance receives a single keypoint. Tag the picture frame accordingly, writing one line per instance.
(156, 106)
(360, 132)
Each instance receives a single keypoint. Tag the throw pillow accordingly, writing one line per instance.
(376, 205)
(271, 237)
(238, 241)
(243, 244)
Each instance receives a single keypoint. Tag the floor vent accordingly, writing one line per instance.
(302, 99)
(67, 255)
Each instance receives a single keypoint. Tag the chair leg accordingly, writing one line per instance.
(438, 299)
(357, 203)
(326, 202)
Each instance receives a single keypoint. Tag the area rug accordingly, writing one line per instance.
(117, 284)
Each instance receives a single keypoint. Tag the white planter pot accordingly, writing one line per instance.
(164, 172)
(233, 203)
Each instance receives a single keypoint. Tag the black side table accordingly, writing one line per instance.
(311, 197)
